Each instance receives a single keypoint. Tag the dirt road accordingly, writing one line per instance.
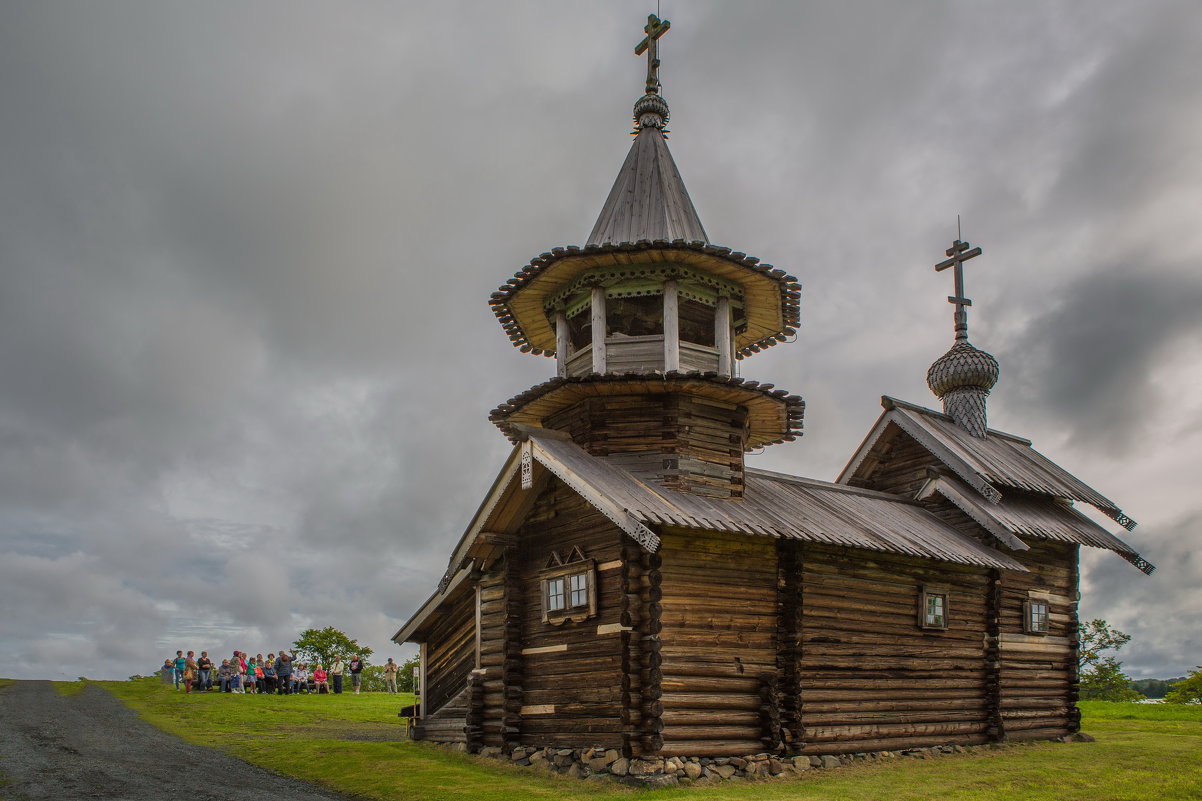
(92, 746)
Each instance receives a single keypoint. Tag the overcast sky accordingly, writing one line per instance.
(246, 249)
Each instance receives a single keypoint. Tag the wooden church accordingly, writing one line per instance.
(630, 583)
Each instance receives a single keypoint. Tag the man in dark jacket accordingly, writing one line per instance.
(283, 672)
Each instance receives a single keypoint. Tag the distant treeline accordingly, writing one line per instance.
(1154, 688)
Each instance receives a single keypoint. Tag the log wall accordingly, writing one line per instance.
(718, 643)
(571, 686)
(684, 442)
(871, 678)
(1039, 672)
(450, 653)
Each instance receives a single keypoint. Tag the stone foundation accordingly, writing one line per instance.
(602, 763)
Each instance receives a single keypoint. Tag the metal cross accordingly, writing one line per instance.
(959, 253)
(654, 29)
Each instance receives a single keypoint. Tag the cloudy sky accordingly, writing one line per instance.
(246, 248)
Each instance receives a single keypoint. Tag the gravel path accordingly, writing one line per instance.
(92, 746)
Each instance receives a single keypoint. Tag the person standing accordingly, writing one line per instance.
(283, 672)
(390, 671)
(180, 663)
(356, 666)
(189, 672)
(204, 672)
(336, 670)
(252, 676)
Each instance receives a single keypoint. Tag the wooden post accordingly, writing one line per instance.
(996, 728)
(479, 621)
(722, 336)
(562, 343)
(598, 329)
(671, 326)
(421, 661)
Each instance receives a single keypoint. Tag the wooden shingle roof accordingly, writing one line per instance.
(648, 200)
(989, 465)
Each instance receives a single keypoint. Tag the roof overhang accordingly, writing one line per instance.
(772, 297)
(773, 414)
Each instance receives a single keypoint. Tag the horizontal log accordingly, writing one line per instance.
(707, 717)
(684, 733)
(824, 734)
(711, 748)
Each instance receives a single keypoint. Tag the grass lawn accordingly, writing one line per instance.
(350, 743)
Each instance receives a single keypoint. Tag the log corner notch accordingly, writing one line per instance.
(788, 728)
(642, 704)
(512, 673)
(995, 722)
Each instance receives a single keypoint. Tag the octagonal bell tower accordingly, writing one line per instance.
(646, 322)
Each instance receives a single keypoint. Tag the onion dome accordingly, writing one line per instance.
(962, 367)
(962, 378)
(650, 111)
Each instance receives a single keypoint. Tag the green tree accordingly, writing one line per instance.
(1188, 690)
(1102, 677)
(319, 647)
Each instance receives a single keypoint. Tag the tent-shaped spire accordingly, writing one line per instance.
(648, 201)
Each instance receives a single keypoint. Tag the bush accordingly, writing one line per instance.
(1188, 690)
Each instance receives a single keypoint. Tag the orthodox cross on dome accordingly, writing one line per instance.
(654, 29)
(959, 253)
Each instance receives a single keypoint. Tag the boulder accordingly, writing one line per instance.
(620, 766)
(692, 770)
(725, 771)
(828, 761)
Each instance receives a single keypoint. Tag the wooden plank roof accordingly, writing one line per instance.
(648, 200)
(774, 505)
(989, 465)
(1030, 515)
(772, 296)
(774, 415)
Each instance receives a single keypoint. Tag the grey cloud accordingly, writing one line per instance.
(245, 249)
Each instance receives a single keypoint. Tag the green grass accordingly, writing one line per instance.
(69, 687)
(350, 743)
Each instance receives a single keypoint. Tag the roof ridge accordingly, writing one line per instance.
(864, 491)
(889, 402)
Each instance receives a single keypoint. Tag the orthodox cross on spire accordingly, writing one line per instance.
(959, 253)
(654, 29)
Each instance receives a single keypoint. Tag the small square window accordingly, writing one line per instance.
(555, 595)
(569, 591)
(933, 611)
(578, 587)
(1035, 616)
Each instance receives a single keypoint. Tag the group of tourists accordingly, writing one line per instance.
(258, 674)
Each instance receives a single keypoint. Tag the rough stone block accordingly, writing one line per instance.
(692, 770)
(620, 766)
(828, 761)
(725, 771)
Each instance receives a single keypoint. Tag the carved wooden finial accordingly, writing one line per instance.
(654, 29)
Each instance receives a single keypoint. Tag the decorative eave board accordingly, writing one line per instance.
(1000, 460)
(774, 415)
(1030, 515)
(772, 297)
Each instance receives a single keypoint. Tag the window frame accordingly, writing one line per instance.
(1029, 626)
(927, 593)
(564, 573)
